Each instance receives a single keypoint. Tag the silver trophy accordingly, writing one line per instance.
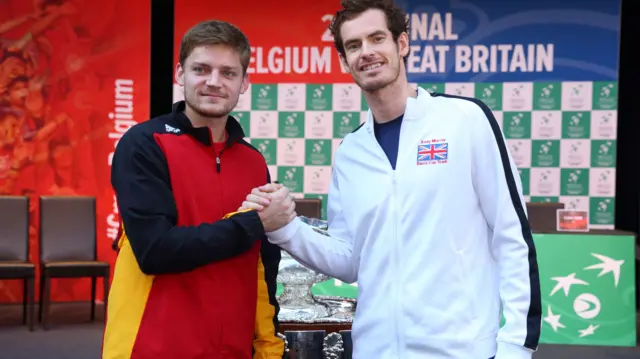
(297, 303)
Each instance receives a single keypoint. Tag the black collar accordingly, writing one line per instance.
(203, 134)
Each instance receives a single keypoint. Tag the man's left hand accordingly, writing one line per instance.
(260, 197)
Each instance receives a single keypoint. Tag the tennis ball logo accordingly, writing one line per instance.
(587, 306)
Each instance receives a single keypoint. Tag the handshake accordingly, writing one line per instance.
(274, 204)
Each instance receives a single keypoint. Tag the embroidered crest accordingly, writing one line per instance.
(432, 152)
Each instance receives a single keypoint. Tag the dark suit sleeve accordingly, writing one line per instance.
(140, 179)
(266, 343)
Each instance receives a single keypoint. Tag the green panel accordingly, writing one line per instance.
(588, 289)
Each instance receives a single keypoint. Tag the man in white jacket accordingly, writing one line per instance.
(425, 212)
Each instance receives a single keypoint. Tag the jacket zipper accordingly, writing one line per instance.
(396, 262)
(218, 155)
(396, 249)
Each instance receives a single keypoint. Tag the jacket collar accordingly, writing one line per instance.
(415, 109)
(203, 134)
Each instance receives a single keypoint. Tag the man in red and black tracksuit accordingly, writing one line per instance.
(187, 280)
(194, 277)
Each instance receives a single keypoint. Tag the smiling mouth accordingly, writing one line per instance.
(371, 66)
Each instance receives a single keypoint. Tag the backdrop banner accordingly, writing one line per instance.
(532, 62)
(547, 69)
(74, 76)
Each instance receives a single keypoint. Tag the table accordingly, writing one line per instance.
(587, 282)
(588, 287)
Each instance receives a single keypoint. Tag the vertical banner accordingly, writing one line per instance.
(548, 70)
(74, 76)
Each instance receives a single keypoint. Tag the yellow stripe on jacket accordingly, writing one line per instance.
(267, 345)
(127, 300)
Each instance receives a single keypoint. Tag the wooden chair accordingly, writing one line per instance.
(542, 216)
(309, 207)
(14, 250)
(68, 247)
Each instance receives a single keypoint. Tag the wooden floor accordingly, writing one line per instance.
(72, 336)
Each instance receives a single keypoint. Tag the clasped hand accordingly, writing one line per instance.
(274, 204)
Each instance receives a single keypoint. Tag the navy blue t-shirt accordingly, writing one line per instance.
(388, 136)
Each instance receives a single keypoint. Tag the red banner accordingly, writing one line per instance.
(74, 76)
(290, 41)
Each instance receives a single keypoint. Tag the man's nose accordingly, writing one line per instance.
(367, 49)
(214, 79)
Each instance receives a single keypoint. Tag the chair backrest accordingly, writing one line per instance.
(67, 228)
(542, 216)
(14, 228)
(309, 207)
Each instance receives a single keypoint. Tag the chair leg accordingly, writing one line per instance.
(93, 298)
(25, 297)
(106, 293)
(46, 302)
(41, 297)
(31, 289)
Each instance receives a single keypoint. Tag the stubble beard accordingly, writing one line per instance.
(377, 85)
(226, 109)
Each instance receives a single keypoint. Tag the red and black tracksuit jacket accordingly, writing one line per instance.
(193, 277)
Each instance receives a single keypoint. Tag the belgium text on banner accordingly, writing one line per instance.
(451, 40)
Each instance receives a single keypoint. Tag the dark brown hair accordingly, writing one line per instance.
(397, 19)
(214, 32)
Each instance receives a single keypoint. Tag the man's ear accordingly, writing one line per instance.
(179, 74)
(403, 44)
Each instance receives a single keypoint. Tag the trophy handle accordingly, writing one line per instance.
(333, 346)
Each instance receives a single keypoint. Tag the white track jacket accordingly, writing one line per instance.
(439, 246)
